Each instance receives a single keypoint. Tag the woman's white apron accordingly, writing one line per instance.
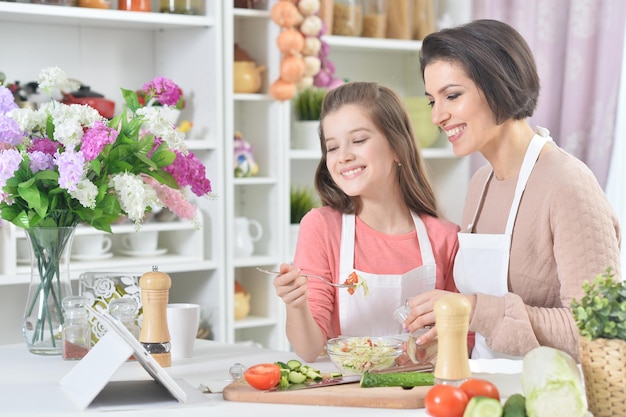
(482, 261)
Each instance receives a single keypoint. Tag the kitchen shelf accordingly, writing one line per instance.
(104, 18)
(365, 45)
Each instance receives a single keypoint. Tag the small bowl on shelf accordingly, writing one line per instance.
(355, 355)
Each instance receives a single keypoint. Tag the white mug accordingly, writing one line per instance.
(91, 244)
(247, 231)
(183, 320)
(145, 242)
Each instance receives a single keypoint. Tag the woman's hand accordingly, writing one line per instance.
(291, 286)
(422, 313)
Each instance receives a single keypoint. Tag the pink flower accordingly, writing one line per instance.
(188, 170)
(164, 90)
(172, 199)
(95, 139)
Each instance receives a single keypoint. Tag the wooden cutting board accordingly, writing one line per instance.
(347, 395)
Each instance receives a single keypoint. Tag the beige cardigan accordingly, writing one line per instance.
(565, 233)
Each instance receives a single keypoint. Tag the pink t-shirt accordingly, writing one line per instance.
(318, 249)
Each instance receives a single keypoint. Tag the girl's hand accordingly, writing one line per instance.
(291, 286)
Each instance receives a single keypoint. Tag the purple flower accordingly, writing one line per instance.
(71, 166)
(164, 90)
(9, 131)
(188, 170)
(10, 160)
(45, 145)
(40, 161)
(95, 139)
(7, 101)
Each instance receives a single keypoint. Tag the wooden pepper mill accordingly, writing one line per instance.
(452, 322)
(155, 335)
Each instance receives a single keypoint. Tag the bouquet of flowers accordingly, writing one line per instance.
(65, 164)
(62, 165)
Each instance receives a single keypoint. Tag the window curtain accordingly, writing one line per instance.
(578, 45)
(615, 188)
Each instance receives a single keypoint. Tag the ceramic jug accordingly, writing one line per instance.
(247, 232)
(247, 77)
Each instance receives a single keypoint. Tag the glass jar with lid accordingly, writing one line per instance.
(125, 310)
(347, 18)
(76, 331)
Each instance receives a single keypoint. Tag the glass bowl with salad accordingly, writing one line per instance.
(355, 355)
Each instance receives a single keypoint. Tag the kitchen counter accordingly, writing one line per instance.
(29, 385)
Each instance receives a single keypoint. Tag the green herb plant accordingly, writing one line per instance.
(302, 201)
(307, 104)
(601, 313)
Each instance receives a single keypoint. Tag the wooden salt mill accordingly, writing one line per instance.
(155, 335)
(452, 322)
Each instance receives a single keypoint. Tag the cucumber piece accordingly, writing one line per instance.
(284, 381)
(397, 379)
(296, 377)
(282, 365)
(313, 374)
(294, 364)
(515, 406)
(483, 407)
(335, 375)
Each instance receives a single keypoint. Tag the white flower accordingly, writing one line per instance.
(54, 78)
(134, 195)
(158, 124)
(29, 120)
(86, 193)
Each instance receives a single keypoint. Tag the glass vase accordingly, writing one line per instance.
(49, 284)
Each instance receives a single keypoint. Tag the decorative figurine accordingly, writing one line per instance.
(245, 166)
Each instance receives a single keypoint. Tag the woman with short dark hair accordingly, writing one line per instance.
(536, 223)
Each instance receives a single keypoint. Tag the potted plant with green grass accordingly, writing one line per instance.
(302, 200)
(307, 107)
(600, 316)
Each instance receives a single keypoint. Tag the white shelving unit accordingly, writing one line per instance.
(264, 123)
(108, 50)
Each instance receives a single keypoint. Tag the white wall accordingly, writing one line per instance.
(615, 188)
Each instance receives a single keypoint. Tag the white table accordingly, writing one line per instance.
(29, 385)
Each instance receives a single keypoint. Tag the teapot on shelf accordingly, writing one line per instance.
(246, 73)
(84, 95)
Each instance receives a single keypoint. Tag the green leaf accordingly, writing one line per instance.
(164, 178)
(130, 97)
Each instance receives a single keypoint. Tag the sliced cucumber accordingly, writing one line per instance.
(335, 375)
(313, 374)
(284, 381)
(296, 377)
(294, 364)
(397, 379)
(483, 407)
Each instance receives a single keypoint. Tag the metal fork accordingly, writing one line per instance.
(324, 280)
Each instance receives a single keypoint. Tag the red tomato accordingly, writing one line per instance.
(476, 387)
(263, 376)
(353, 278)
(446, 401)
